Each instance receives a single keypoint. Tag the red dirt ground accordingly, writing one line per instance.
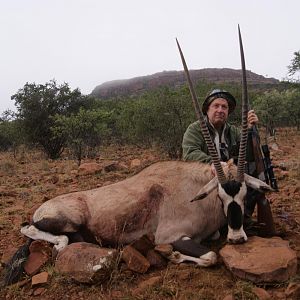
(31, 180)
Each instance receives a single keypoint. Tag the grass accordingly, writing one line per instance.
(243, 291)
(8, 168)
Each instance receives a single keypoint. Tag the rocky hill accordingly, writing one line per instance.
(142, 84)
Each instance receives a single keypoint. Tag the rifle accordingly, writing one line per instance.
(260, 167)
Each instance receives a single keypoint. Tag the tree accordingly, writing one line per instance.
(279, 108)
(291, 101)
(174, 112)
(11, 132)
(159, 117)
(38, 103)
(82, 130)
(269, 107)
(295, 64)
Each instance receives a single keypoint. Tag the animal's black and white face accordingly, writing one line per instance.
(232, 195)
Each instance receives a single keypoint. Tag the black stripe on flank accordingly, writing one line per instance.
(55, 225)
(231, 187)
(234, 215)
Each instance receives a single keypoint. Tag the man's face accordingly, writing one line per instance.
(217, 112)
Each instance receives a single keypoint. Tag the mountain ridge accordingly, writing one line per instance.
(140, 84)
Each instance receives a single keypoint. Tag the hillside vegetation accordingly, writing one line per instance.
(53, 117)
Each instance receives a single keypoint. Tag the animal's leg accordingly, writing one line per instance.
(205, 260)
(187, 249)
(59, 241)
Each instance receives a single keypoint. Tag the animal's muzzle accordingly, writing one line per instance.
(241, 240)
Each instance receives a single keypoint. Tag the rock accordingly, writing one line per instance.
(261, 260)
(278, 295)
(39, 291)
(156, 260)
(41, 246)
(86, 263)
(293, 291)
(40, 253)
(164, 249)
(261, 293)
(40, 278)
(134, 260)
(34, 262)
(135, 163)
(143, 245)
(89, 168)
(146, 284)
(111, 166)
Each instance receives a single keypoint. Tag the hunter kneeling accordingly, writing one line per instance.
(217, 106)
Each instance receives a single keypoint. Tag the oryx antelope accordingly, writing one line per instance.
(157, 201)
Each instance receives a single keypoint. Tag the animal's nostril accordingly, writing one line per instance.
(237, 241)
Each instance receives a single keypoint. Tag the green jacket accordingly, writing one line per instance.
(194, 146)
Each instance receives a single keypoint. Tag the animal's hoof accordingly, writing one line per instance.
(61, 242)
(176, 257)
(210, 259)
(24, 229)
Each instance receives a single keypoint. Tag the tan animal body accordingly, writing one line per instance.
(157, 201)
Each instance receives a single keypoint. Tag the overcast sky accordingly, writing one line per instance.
(88, 42)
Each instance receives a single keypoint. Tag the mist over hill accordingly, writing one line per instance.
(138, 85)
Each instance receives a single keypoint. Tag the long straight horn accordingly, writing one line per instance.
(245, 108)
(210, 145)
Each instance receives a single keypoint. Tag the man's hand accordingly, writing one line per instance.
(224, 166)
(252, 118)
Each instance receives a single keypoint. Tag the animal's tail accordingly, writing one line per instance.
(15, 267)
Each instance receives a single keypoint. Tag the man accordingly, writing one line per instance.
(217, 106)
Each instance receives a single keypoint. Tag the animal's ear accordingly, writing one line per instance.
(257, 184)
(207, 189)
